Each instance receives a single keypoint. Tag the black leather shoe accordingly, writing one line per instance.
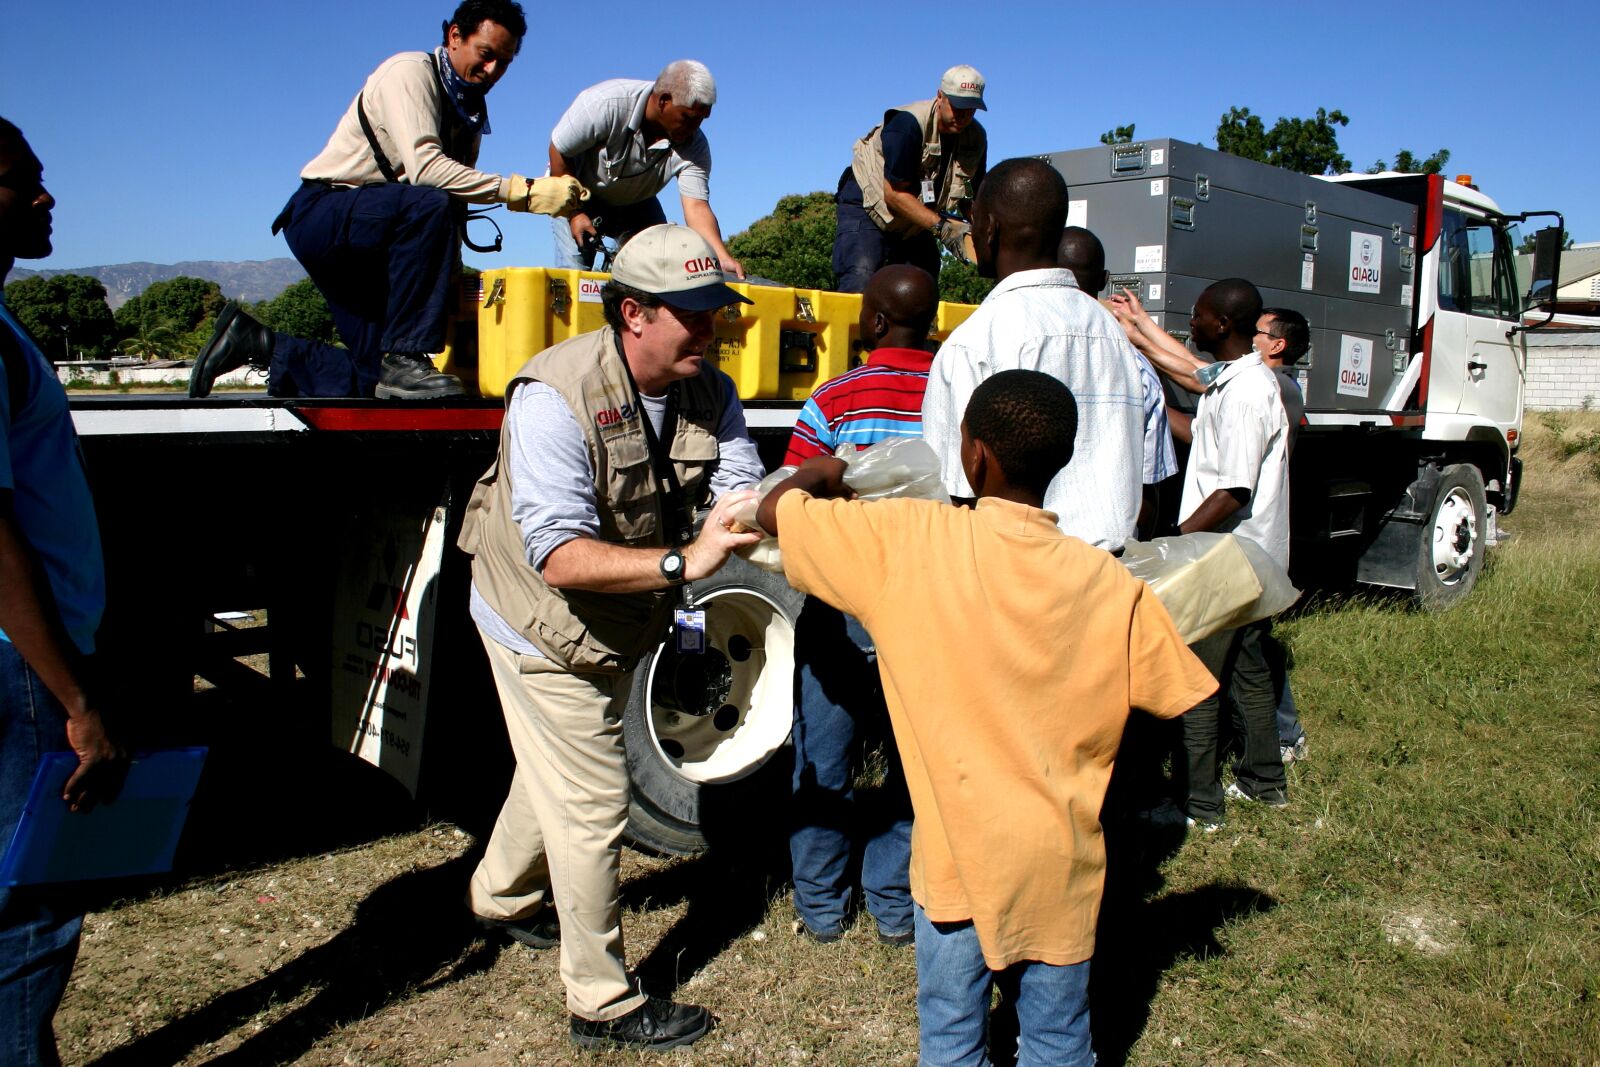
(237, 339)
(655, 1024)
(412, 376)
(542, 931)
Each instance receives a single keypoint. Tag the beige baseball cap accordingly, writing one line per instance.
(963, 87)
(677, 265)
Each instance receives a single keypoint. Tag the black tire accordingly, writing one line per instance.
(1451, 546)
(671, 805)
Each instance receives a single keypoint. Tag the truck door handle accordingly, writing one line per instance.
(1473, 364)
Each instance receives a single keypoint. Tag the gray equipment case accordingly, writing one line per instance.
(1175, 217)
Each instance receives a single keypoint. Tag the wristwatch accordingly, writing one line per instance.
(672, 567)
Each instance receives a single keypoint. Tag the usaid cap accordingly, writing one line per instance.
(963, 87)
(677, 265)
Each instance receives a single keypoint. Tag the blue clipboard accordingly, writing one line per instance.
(135, 834)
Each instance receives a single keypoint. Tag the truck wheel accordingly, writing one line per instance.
(697, 721)
(1451, 553)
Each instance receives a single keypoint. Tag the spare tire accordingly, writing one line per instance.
(697, 722)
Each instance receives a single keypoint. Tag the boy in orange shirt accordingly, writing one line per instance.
(1011, 655)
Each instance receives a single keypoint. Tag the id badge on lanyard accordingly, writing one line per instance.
(928, 195)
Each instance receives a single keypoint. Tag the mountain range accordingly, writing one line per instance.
(252, 279)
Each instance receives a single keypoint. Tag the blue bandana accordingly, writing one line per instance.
(467, 98)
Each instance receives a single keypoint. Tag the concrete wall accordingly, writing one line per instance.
(1563, 371)
(101, 374)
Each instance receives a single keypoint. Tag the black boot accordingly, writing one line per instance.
(656, 1023)
(412, 376)
(236, 340)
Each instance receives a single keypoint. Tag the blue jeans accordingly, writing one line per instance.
(953, 986)
(614, 221)
(382, 256)
(860, 248)
(840, 698)
(38, 929)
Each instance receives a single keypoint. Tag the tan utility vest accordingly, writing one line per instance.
(588, 631)
(953, 194)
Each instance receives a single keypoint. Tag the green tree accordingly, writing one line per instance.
(181, 304)
(150, 341)
(793, 245)
(960, 283)
(301, 311)
(1309, 145)
(1407, 163)
(1526, 247)
(1118, 135)
(66, 313)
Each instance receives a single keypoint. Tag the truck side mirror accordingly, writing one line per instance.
(1546, 266)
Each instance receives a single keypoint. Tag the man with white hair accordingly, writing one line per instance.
(624, 140)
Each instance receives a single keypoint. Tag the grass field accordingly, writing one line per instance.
(1432, 895)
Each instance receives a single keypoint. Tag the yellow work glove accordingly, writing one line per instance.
(546, 196)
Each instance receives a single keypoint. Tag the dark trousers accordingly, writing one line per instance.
(838, 702)
(1236, 660)
(382, 256)
(860, 248)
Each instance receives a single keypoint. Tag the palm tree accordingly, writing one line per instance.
(149, 342)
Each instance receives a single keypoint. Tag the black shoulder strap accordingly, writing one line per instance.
(384, 166)
(16, 361)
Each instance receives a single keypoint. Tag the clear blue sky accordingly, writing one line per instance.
(175, 130)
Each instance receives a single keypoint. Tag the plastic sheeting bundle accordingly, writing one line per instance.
(1210, 581)
(900, 467)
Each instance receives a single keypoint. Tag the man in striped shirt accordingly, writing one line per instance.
(837, 688)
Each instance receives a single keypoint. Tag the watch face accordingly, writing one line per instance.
(672, 564)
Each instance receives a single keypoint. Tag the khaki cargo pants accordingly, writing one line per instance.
(560, 830)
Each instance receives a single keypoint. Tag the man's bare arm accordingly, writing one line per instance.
(29, 617)
(593, 565)
(699, 217)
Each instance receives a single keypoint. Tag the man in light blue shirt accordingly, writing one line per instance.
(52, 593)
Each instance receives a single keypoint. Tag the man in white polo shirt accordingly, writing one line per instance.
(1237, 481)
(625, 140)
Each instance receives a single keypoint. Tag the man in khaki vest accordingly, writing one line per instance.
(581, 533)
(912, 175)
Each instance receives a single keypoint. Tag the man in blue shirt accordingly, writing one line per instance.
(52, 593)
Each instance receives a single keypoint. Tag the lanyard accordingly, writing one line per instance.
(681, 524)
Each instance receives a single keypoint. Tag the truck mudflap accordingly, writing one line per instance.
(1433, 540)
(1391, 559)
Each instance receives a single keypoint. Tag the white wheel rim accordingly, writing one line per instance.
(749, 666)
(1455, 537)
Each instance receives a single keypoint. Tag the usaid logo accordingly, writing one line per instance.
(1366, 263)
(701, 265)
(1355, 379)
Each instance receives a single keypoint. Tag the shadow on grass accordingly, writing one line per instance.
(1139, 939)
(728, 888)
(404, 934)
